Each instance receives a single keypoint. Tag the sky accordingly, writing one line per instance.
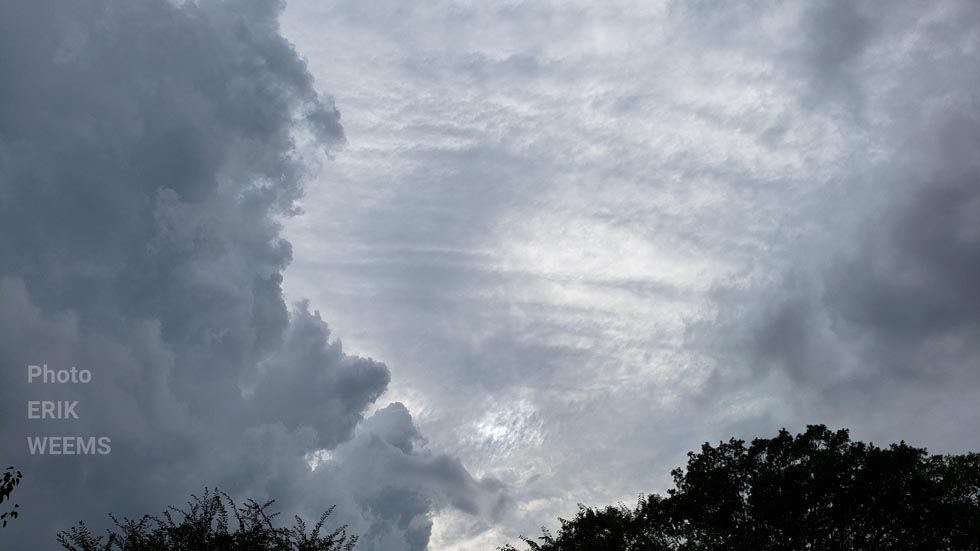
(459, 266)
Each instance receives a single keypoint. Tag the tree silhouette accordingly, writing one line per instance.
(817, 490)
(11, 479)
(205, 526)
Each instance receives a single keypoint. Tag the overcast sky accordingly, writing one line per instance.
(561, 243)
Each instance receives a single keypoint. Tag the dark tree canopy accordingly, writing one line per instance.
(205, 526)
(817, 490)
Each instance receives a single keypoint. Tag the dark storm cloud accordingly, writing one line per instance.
(913, 287)
(882, 302)
(146, 153)
(835, 35)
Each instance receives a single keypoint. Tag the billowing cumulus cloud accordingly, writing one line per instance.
(148, 152)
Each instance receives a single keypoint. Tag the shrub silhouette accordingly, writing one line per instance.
(817, 490)
(10, 480)
(205, 526)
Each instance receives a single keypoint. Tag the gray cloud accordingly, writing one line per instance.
(148, 152)
(407, 481)
(591, 236)
(293, 387)
(640, 226)
(878, 304)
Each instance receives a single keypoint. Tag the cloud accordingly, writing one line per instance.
(877, 304)
(148, 154)
(409, 482)
(596, 235)
(293, 387)
(576, 228)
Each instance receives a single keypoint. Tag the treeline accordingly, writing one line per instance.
(211, 522)
(813, 491)
(817, 490)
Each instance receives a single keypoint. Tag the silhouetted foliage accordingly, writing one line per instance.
(11, 479)
(817, 490)
(205, 526)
